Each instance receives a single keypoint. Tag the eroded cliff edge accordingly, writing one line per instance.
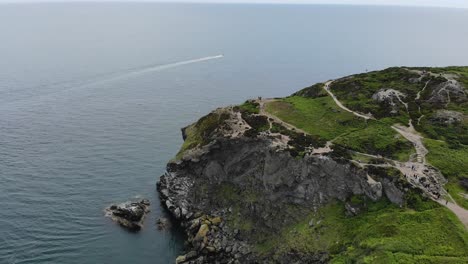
(252, 185)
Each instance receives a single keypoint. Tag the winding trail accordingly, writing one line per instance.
(325, 149)
(413, 136)
(327, 89)
(461, 212)
(262, 111)
(414, 171)
(422, 90)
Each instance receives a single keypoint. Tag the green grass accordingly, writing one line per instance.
(456, 133)
(461, 71)
(322, 117)
(250, 107)
(229, 195)
(198, 134)
(362, 158)
(317, 116)
(378, 139)
(453, 163)
(383, 234)
(356, 92)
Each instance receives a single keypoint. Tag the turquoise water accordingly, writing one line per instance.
(93, 96)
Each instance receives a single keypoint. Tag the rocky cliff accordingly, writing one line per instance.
(337, 172)
(242, 185)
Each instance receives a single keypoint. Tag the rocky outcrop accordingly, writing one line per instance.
(129, 214)
(447, 117)
(391, 98)
(446, 92)
(163, 223)
(229, 191)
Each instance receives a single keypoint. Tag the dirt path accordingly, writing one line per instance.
(262, 111)
(461, 212)
(414, 171)
(262, 102)
(418, 173)
(327, 89)
(422, 90)
(412, 136)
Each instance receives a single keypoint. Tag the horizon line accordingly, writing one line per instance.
(230, 2)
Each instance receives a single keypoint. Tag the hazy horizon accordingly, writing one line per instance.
(409, 3)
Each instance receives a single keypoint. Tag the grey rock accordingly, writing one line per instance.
(274, 177)
(351, 210)
(446, 92)
(447, 117)
(163, 223)
(129, 214)
(191, 255)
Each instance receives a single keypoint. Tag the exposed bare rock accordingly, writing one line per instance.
(464, 183)
(446, 92)
(352, 210)
(129, 214)
(193, 190)
(390, 97)
(447, 117)
(163, 223)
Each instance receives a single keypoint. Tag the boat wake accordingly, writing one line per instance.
(155, 68)
(55, 89)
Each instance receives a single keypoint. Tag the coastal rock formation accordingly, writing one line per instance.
(310, 179)
(237, 185)
(129, 214)
(163, 223)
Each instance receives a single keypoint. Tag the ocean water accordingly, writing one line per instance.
(93, 96)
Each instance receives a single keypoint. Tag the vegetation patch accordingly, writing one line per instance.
(313, 91)
(250, 113)
(322, 117)
(378, 139)
(300, 142)
(460, 71)
(259, 123)
(455, 133)
(317, 116)
(356, 91)
(199, 133)
(249, 107)
(382, 234)
(453, 163)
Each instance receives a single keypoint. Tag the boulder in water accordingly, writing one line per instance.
(129, 214)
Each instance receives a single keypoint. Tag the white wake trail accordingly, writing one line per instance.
(110, 77)
(155, 69)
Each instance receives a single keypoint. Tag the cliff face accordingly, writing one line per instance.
(337, 172)
(252, 185)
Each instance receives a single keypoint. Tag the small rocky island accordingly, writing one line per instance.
(369, 168)
(129, 215)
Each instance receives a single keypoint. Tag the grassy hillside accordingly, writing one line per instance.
(420, 231)
(320, 116)
(428, 233)
(453, 163)
(446, 140)
(317, 116)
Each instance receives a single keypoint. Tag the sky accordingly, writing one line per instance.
(438, 3)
